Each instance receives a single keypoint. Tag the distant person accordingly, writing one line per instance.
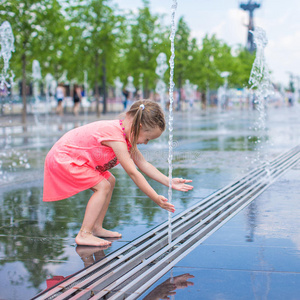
(60, 95)
(125, 94)
(138, 95)
(290, 99)
(76, 99)
(80, 160)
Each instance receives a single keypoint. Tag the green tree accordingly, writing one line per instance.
(242, 65)
(56, 44)
(148, 37)
(209, 62)
(99, 29)
(31, 21)
(184, 50)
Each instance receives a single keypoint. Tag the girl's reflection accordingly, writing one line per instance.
(168, 287)
(90, 255)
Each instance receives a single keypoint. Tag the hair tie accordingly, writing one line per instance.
(142, 106)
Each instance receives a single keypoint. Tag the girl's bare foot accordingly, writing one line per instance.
(87, 239)
(99, 231)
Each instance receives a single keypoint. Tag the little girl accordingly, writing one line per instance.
(81, 158)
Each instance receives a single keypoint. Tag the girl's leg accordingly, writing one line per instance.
(94, 207)
(98, 228)
(76, 108)
(60, 108)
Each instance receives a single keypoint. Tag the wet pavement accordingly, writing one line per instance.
(253, 256)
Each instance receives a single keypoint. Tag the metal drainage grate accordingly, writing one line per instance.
(129, 271)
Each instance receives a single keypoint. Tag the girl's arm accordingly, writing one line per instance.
(147, 168)
(127, 163)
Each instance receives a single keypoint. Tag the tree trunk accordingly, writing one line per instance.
(207, 95)
(146, 88)
(104, 84)
(203, 100)
(179, 92)
(56, 73)
(96, 84)
(24, 108)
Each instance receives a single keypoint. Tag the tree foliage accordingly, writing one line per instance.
(95, 36)
(99, 30)
(147, 38)
(32, 22)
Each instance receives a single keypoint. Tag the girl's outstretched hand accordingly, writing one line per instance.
(179, 184)
(163, 203)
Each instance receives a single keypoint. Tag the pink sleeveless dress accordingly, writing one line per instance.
(78, 160)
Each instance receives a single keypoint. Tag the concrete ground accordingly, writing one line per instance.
(253, 256)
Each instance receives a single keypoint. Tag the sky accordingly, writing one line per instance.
(280, 19)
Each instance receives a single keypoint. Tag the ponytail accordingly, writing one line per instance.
(148, 114)
(136, 127)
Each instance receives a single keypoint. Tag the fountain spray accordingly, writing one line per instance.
(171, 98)
(260, 82)
(7, 47)
(160, 70)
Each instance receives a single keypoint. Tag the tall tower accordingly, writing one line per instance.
(250, 6)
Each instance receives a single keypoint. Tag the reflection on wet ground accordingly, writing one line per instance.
(169, 286)
(256, 255)
(37, 247)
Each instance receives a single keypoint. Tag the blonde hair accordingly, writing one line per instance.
(149, 114)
